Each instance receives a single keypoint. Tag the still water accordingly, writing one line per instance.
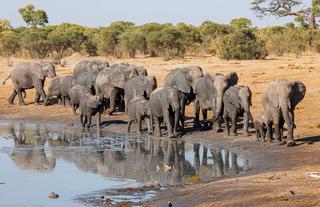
(36, 160)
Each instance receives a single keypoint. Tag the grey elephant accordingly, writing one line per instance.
(279, 100)
(86, 72)
(237, 101)
(260, 124)
(60, 87)
(141, 70)
(30, 75)
(165, 104)
(94, 66)
(110, 84)
(75, 93)
(139, 86)
(90, 105)
(138, 110)
(210, 90)
(192, 75)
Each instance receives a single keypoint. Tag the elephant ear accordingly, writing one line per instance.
(117, 79)
(232, 78)
(182, 81)
(232, 97)
(299, 91)
(37, 71)
(93, 102)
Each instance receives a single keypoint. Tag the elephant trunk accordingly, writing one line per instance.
(218, 108)
(246, 109)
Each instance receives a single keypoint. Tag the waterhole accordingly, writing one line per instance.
(36, 160)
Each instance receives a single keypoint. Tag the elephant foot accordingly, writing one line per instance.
(264, 140)
(246, 134)
(37, 103)
(22, 104)
(139, 132)
(10, 103)
(291, 144)
(227, 133)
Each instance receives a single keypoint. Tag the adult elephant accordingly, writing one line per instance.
(30, 75)
(210, 90)
(94, 66)
(166, 103)
(139, 86)
(86, 72)
(110, 83)
(191, 75)
(279, 100)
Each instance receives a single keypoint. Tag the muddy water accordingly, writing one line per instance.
(36, 160)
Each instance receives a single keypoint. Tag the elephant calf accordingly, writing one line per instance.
(75, 93)
(60, 87)
(165, 103)
(260, 125)
(138, 110)
(237, 100)
(139, 86)
(90, 105)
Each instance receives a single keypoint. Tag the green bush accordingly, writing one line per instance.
(241, 45)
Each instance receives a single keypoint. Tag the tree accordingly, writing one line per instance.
(5, 25)
(33, 17)
(35, 41)
(132, 41)
(241, 23)
(283, 8)
(9, 43)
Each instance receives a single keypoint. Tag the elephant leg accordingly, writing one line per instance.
(246, 124)
(263, 133)
(167, 118)
(139, 125)
(226, 122)
(290, 127)
(74, 109)
(98, 120)
(63, 101)
(82, 120)
(196, 122)
(269, 131)
(112, 102)
(258, 134)
(12, 97)
(37, 98)
(21, 101)
(182, 112)
(157, 127)
(149, 124)
(176, 121)
(205, 117)
(233, 123)
(129, 125)
(277, 132)
(126, 105)
(89, 120)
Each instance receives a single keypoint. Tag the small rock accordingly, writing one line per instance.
(53, 196)
(292, 192)
(100, 197)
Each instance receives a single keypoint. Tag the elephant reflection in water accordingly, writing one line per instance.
(221, 162)
(34, 158)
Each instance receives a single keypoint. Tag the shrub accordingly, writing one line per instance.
(241, 45)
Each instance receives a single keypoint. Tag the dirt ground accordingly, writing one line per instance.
(278, 174)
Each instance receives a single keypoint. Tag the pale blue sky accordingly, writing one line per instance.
(103, 12)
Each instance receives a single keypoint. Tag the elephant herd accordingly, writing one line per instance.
(96, 86)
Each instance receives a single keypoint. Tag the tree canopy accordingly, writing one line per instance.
(33, 17)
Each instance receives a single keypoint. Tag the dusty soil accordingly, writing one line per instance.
(278, 174)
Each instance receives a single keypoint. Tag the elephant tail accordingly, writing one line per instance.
(4, 81)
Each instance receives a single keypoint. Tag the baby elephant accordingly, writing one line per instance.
(75, 93)
(138, 110)
(90, 105)
(60, 87)
(260, 124)
(237, 100)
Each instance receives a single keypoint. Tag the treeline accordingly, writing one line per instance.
(237, 40)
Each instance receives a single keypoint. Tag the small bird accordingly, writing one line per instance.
(170, 204)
